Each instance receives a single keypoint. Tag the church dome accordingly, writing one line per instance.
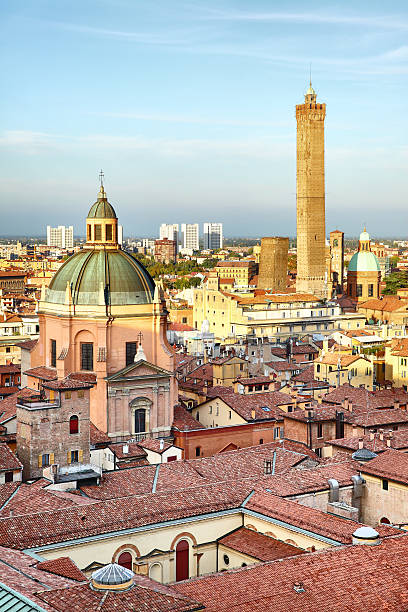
(364, 261)
(101, 274)
(102, 277)
(102, 209)
(112, 577)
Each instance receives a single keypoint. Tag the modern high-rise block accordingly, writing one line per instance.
(190, 236)
(170, 231)
(61, 236)
(213, 237)
(273, 266)
(310, 197)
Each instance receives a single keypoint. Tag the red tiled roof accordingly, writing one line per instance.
(397, 439)
(42, 372)
(305, 376)
(254, 381)
(11, 368)
(258, 545)
(391, 464)
(89, 377)
(154, 445)
(27, 344)
(67, 383)
(17, 571)
(147, 597)
(245, 404)
(8, 460)
(96, 436)
(63, 566)
(339, 579)
(121, 513)
(184, 421)
(8, 406)
(283, 366)
(133, 450)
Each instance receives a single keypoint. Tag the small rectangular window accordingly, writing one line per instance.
(45, 460)
(385, 484)
(8, 477)
(131, 348)
(67, 394)
(81, 393)
(53, 355)
(109, 232)
(98, 232)
(74, 456)
(87, 356)
(320, 430)
(88, 232)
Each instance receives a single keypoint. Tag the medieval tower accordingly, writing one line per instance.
(310, 197)
(273, 265)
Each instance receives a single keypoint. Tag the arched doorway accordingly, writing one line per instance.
(125, 560)
(182, 554)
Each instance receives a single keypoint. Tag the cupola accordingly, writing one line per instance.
(102, 222)
(112, 577)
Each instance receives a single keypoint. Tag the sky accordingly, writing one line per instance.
(189, 109)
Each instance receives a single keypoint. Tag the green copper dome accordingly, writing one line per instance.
(102, 277)
(364, 261)
(102, 209)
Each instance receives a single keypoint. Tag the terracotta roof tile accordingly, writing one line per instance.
(8, 406)
(265, 404)
(184, 421)
(391, 464)
(8, 460)
(258, 545)
(42, 372)
(339, 579)
(153, 444)
(137, 599)
(63, 566)
(97, 436)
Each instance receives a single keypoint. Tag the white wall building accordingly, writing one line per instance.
(170, 231)
(190, 235)
(61, 236)
(213, 237)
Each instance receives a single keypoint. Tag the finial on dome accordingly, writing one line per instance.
(101, 175)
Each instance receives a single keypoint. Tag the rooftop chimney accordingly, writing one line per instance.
(360, 443)
(161, 444)
(396, 404)
(381, 434)
(125, 449)
(253, 414)
(372, 434)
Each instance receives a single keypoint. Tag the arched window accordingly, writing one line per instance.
(125, 560)
(140, 410)
(182, 554)
(156, 572)
(73, 425)
(385, 521)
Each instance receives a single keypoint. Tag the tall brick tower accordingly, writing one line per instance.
(310, 197)
(273, 266)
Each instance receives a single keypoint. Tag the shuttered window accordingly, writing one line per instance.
(86, 356)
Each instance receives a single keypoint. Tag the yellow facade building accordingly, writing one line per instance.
(340, 368)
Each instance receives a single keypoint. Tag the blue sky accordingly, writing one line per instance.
(188, 106)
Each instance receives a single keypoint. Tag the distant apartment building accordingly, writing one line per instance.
(213, 237)
(190, 235)
(170, 231)
(61, 236)
(165, 250)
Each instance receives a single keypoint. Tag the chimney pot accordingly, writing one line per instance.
(253, 414)
(372, 434)
(381, 434)
(388, 442)
(360, 443)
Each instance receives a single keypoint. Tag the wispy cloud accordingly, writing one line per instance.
(380, 21)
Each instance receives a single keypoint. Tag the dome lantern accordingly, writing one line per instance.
(102, 222)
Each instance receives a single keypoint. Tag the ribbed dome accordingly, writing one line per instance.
(112, 575)
(364, 261)
(102, 209)
(102, 276)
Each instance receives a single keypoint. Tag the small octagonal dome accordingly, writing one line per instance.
(112, 576)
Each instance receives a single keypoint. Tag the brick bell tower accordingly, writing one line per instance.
(310, 197)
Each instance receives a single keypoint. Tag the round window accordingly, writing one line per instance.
(226, 559)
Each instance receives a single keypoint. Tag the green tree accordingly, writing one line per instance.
(394, 281)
